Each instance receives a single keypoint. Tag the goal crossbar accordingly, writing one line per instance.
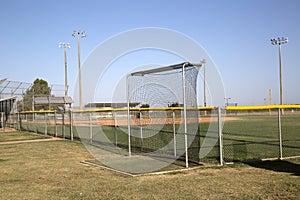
(166, 68)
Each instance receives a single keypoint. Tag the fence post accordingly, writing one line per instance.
(55, 123)
(63, 125)
(19, 122)
(174, 133)
(91, 128)
(71, 125)
(220, 135)
(26, 117)
(45, 119)
(115, 128)
(279, 132)
(141, 129)
(2, 121)
(34, 122)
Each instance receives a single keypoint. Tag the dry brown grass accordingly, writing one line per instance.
(52, 170)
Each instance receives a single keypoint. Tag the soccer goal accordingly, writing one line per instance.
(166, 120)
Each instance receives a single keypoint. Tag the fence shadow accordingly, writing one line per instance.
(277, 166)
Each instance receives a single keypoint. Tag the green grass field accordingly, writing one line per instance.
(246, 137)
(52, 170)
(257, 137)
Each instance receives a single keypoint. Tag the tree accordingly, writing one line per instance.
(145, 106)
(39, 88)
(173, 105)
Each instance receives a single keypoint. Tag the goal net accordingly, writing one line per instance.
(166, 121)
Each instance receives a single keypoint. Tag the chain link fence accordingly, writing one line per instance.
(237, 136)
(261, 134)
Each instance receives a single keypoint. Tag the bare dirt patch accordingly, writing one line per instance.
(29, 141)
(7, 129)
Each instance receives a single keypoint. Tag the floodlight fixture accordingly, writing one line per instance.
(79, 33)
(227, 100)
(279, 41)
(64, 45)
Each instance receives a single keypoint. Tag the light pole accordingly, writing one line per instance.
(203, 61)
(227, 100)
(65, 46)
(79, 34)
(279, 42)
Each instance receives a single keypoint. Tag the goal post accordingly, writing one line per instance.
(161, 131)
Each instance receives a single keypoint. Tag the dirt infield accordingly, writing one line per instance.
(29, 141)
(7, 129)
(135, 121)
(146, 121)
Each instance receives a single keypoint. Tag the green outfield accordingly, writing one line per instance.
(246, 137)
(255, 137)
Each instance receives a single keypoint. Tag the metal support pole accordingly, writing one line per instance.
(280, 74)
(36, 126)
(45, 119)
(66, 72)
(174, 133)
(115, 128)
(220, 135)
(91, 128)
(63, 125)
(79, 76)
(19, 122)
(2, 120)
(26, 117)
(279, 41)
(79, 34)
(128, 117)
(204, 82)
(55, 123)
(185, 116)
(141, 129)
(71, 125)
(279, 132)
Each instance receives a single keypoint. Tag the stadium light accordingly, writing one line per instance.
(279, 41)
(79, 34)
(227, 100)
(203, 62)
(65, 46)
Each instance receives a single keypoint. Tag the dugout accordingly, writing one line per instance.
(6, 107)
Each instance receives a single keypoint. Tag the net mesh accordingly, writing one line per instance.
(163, 131)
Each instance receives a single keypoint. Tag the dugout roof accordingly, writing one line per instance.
(52, 100)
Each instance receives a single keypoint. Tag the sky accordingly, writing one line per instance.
(235, 34)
